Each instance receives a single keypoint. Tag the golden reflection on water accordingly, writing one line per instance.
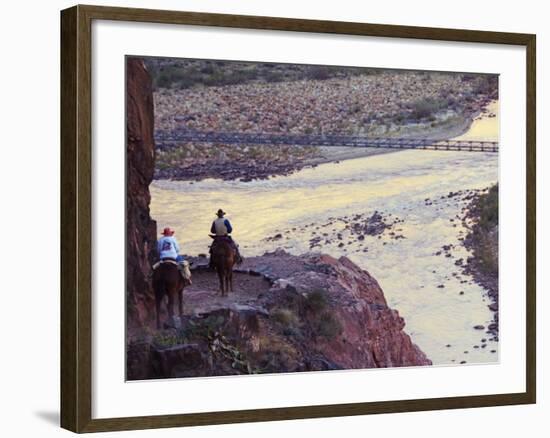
(484, 128)
(396, 184)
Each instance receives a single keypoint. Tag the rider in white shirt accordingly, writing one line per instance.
(168, 249)
(167, 245)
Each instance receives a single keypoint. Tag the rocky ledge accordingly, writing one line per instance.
(311, 313)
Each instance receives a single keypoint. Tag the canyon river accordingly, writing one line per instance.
(440, 304)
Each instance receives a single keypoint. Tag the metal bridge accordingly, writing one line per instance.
(165, 139)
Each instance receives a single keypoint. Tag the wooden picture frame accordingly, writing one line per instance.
(76, 217)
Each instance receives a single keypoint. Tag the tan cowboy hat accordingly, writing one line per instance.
(220, 213)
(168, 231)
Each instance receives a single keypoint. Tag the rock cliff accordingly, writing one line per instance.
(355, 327)
(303, 313)
(140, 228)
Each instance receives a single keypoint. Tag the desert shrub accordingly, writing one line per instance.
(355, 108)
(319, 72)
(327, 326)
(427, 107)
(307, 315)
(192, 73)
(451, 101)
(207, 69)
(192, 330)
(275, 355)
(468, 77)
(485, 231)
(488, 208)
(316, 301)
(486, 252)
(179, 73)
(487, 85)
(398, 118)
(168, 339)
(273, 76)
(285, 317)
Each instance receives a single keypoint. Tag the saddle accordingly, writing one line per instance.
(218, 239)
(160, 262)
(232, 244)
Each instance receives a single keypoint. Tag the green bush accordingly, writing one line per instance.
(186, 73)
(486, 85)
(485, 231)
(485, 252)
(488, 208)
(273, 76)
(327, 326)
(319, 72)
(316, 301)
(427, 107)
(285, 317)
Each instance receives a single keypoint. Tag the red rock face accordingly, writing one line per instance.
(369, 322)
(372, 334)
(141, 230)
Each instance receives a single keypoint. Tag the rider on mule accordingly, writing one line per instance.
(168, 249)
(221, 227)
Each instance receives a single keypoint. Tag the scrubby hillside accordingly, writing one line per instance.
(223, 96)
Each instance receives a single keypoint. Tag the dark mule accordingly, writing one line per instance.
(167, 280)
(223, 260)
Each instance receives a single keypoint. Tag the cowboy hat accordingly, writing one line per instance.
(168, 231)
(220, 212)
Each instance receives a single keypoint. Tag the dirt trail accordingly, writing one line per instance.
(203, 295)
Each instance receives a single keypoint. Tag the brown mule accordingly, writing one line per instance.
(167, 280)
(223, 259)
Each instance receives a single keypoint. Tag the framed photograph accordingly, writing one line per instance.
(270, 218)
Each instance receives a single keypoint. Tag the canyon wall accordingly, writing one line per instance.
(141, 230)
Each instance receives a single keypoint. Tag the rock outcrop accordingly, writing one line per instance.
(316, 313)
(140, 164)
(354, 326)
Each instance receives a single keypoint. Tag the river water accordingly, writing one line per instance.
(440, 304)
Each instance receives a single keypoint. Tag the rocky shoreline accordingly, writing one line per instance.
(482, 241)
(233, 162)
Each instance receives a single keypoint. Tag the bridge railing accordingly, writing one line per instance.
(165, 138)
